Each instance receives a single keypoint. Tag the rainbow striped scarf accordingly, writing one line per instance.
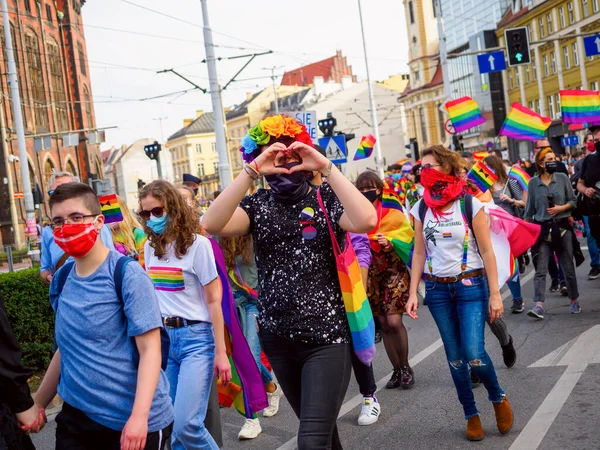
(396, 229)
(236, 278)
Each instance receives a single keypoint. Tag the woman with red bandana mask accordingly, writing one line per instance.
(457, 260)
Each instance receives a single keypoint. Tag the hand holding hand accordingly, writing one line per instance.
(32, 420)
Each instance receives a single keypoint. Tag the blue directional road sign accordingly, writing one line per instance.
(335, 148)
(592, 45)
(491, 62)
(569, 141)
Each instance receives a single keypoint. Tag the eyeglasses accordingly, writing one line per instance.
(430, 166)
(73, 219)
(156, 212)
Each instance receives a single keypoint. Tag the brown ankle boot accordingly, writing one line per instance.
(504, 416)
(474, 429)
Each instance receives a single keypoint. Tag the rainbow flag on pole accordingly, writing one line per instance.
(110, 209)
(389, 199)
(464, 113)
(482, 176)
(579, 106)
(365, 148)
(524, 124)
(520, 176)
(480, 156)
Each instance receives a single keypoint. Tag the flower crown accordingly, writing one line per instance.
(275, 126)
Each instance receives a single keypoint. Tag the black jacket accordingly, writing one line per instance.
(14, 390)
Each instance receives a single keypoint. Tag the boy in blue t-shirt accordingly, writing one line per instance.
(107, 365)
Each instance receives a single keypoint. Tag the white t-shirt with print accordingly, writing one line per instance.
(445, 239)
(179, 282)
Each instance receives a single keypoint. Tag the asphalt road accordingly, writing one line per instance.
(556, 402)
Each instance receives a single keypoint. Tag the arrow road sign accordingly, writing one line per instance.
(592, 45)
(335, 148)
(491, 62)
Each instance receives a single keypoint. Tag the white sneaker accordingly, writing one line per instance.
(369, 413)
(274, 399)
(250, 430)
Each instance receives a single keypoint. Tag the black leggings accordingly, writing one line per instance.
(364, 376)
(314, 379)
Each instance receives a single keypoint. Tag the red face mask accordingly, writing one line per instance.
(440, 188)
(590, 146)
(76, 240)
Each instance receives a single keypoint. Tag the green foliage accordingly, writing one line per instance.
(30, 314)
(17, 255)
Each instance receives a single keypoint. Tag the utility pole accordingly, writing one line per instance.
(443, 54)
(20, 130)
(272, 69)
(162, 136)
(378, 153)
(215, 94)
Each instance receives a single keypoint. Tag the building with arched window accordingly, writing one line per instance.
(50, 55)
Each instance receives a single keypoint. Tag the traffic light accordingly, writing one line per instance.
(328, 125)
(140, 184)
(517, 46)
(152, 150)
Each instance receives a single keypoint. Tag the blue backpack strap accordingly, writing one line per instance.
(422, 210)
(120, 275)
(61, 276)
(469, 211)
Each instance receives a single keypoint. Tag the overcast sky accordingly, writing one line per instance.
(123, 64)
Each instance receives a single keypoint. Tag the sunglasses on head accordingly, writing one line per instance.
(50, 192)
(156, 212)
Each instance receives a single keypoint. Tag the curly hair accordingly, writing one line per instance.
(236, 246)
(182, 224)
(448, 159)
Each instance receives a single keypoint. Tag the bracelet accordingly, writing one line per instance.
(329, 168)
(255, 167)
(249, 166)
(251, 173)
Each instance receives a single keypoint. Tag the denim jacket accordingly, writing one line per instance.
(537, 201)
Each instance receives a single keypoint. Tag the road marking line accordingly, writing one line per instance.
(357, 400)
(539, 424)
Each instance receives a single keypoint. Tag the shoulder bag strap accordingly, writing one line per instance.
(61, 262)
(336, 246)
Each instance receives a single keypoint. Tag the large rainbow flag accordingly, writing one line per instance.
(365, 148)
(524, 124)
(481, 176)
(394, 225)
(578, 106)
(390, 199)
(520, 176)
(464, 113)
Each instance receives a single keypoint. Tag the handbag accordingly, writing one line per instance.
(356, 303)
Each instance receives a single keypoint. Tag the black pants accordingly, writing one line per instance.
(594, 223)
(76, 431)
(11, 436)
(314, 379)
(364, 376)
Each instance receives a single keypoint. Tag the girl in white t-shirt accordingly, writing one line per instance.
(459, 265)
(181, 263)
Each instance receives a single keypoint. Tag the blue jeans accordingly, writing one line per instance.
(460, 312)
(190, 373)
(592, 244)
(250, 325)
(515, 288)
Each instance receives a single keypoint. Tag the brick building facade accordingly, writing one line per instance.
(50, 54)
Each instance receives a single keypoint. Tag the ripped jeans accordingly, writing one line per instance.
(460, 313)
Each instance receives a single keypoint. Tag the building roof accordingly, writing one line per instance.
(437, 79)
(304, 76)
(202, 125)
(242, 108)
(509, 16)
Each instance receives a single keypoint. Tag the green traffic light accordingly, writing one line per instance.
(518, 56)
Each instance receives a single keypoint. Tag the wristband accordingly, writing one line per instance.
(251, 173)
(327, 171)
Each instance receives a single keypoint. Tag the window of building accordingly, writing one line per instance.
(557, 103)
(570, 12)
(48, 169)
(585, 9)
(529, 32)
(511, 83)
(441, 121)
(71, 167)
(434, 12)
(38, 94)
(411, 12)
(82, 65)
(575, 49)
(27, 6)
(49, 13)
(216, 167)
(561, 15)
(594, 85)
(550, 100)
(198, 149)
(596, 5)
(58, 87)
(534, 70)
(416, 75)
(200, 170)
(531, 106)
(553, 60)
(549, 22)
(546, 71)
(567, 58)
(517, 78)
(422, 120)
(542, 29)
(87, 102)
(527, 79)
(538, 107)
(18, 66)
(213, 146)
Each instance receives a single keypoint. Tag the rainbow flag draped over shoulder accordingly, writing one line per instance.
(394, 225)
(110, 209)
(524, 124)
(578, 106)
(391, 200)
(520, 176)
(464, 113)
(365, 148)
(481, 176)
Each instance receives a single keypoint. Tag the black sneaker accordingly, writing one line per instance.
(509, 354)
(395, 380)
(555, 286)
(407, 377)
(526, 258)
(522, 266)
(475, 381)
(563, 289)
(594, 273)
(517, 307)
(377, 336)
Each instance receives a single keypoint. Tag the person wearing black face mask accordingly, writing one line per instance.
(589, 185)
(550, 202)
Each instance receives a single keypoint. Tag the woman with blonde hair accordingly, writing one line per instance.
(128, 235)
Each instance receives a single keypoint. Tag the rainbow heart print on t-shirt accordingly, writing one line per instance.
(167, 278)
